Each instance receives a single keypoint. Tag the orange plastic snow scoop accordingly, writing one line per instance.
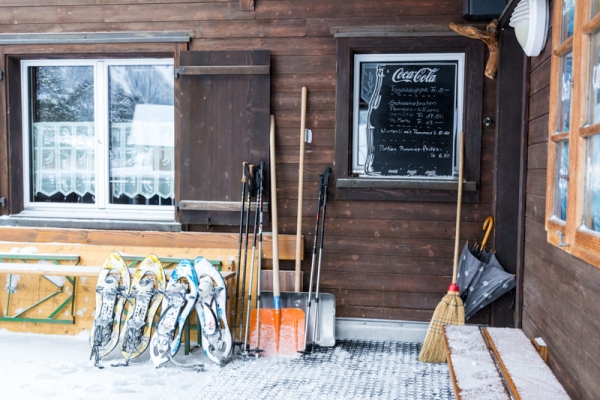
(277, 331)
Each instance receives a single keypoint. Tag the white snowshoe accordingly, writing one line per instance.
(179, 298)
(111, 290)
(211, 309)
(144, 300)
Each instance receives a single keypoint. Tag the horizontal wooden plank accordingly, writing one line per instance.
(524, 370)
(295, 82)
(321, 137)
(29, 3)
(219, 205)
(277, 46)
(399, 314)
(312, 155)
(287, 243)
(385, 282)
(225, 70)
(539, 103)
(390, 246)
(537, 156)
(316, 101)
(314, 119)
(365, 298)
(299, 64)
(68, 270)
(384, 228)
(340, 8)
(358, 210)
(284, 28)
(538, 130)
(536, 182)
(123, 13)
(323, 26)
(540, 79)
(536, 208)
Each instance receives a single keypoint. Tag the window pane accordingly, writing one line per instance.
(62, 142)
(561, 180)
(568, 19)
(591, 214)
(594, 99)
(595, 7)
(141, 120)
(564, 105)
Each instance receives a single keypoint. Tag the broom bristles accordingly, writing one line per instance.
(450, 311)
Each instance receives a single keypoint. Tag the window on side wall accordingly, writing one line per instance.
(573, 188)
(98, 138)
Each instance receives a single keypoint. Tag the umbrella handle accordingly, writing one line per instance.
(488, 224)
(453, 286)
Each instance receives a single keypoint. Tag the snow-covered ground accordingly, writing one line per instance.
(36, 366)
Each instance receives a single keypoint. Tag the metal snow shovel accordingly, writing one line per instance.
(325, 332)
(280, 331)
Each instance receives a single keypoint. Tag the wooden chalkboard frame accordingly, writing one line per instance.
(351, 187)
(407, 114)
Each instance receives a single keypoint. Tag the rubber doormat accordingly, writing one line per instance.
(350, 370)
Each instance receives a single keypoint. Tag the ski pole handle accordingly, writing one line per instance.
(326, 177)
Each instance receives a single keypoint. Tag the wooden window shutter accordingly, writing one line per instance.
(224, 106)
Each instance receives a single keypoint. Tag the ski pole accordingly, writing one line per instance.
(258, 178)
(315, 318)
(239, 258)
(249, 174)
(260, 238)
(314, 257)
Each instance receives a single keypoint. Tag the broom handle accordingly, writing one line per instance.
(458, 204)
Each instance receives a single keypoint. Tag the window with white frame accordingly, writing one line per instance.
(99, 137)
(573, 187)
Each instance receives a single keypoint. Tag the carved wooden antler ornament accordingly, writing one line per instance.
(489, 36)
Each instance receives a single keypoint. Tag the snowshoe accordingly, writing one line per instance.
(211, 309)
(179, 298)
(111, 290)
(146, 294)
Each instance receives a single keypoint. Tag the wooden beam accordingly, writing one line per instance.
(247, 5)
(287, 243)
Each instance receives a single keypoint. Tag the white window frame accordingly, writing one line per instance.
(102, 209)
(357, 168)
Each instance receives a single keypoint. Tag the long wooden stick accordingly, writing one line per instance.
(298, 268)
(458, 206)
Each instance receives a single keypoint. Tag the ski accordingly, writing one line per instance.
(111, 290)
(217, 341)
(147, 288)
(179, 299)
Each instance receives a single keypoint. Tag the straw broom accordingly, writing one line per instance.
(450, 311)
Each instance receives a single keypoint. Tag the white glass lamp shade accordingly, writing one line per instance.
(530, 21)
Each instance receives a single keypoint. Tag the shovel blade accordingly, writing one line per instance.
(285, 338)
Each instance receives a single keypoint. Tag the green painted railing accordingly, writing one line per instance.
(51, 319)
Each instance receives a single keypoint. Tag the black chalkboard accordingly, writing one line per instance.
(411, 118)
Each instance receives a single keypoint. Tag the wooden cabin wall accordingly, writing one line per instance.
(381, 259)
(561, 294)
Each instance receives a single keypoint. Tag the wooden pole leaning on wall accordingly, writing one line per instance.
(298, 269)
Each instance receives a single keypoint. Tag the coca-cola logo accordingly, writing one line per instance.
(426, 75)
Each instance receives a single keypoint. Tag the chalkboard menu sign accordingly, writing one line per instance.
(408, 117)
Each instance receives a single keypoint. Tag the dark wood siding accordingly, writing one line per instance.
(561, 294)
(382, 259)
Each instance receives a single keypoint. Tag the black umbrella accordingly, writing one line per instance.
(469, 269)
(483, 277)
(492, 283)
